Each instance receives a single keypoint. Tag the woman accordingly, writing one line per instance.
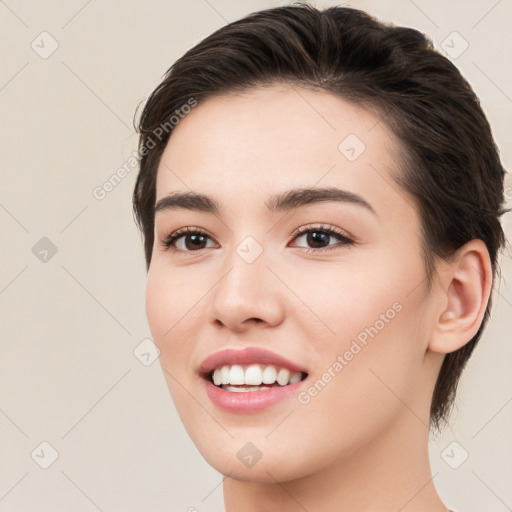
(321, 235)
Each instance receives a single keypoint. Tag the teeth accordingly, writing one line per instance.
(236, 375)
(224, 375)
(245, 389)
(269, 375)
(295, 377)
(283, 377)
(254, 375)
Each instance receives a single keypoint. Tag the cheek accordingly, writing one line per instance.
(362, 386)
(166, 307)
(166, 303)
(346, 405)
(374, 348)
(350, 297)
(169, 296)
(158, 299)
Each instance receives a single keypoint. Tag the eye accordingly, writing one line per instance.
(196, 238)
(190, 239)
(319, 235)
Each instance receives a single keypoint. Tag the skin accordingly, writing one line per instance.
(360, 444)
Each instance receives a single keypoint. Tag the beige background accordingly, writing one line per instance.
(69, 327)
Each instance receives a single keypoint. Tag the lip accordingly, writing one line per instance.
(249, 355)
(249, 401)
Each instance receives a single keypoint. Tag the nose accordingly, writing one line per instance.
(248, 295)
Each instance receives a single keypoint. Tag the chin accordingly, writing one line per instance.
(241, 460)
(262, 472)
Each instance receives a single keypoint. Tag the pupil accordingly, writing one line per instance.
(314, 237)
(196, 242)
(317, 238)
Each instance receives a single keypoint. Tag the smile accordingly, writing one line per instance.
(251, 377)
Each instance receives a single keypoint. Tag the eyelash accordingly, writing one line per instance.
(169, 241)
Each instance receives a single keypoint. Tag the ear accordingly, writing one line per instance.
(464, 291)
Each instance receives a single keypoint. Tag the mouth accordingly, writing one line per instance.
(250, 398)
(253, 377)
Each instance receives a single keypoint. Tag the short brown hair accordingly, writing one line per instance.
(451, 164)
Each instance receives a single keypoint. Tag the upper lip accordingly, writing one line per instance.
(248, 355)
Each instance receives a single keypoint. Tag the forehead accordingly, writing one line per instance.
(258, 143)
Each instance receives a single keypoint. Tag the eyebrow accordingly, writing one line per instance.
(289, 200)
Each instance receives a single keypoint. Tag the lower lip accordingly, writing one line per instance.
(250, 400)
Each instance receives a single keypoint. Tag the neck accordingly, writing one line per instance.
(388, 474)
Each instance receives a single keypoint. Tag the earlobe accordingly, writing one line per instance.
(465, 288)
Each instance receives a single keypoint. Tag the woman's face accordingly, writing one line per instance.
(351, 311)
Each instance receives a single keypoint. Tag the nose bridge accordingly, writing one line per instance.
(245, 265)
(246, 291)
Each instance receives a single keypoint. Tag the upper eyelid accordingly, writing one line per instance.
(300, 231)
(322, 227)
